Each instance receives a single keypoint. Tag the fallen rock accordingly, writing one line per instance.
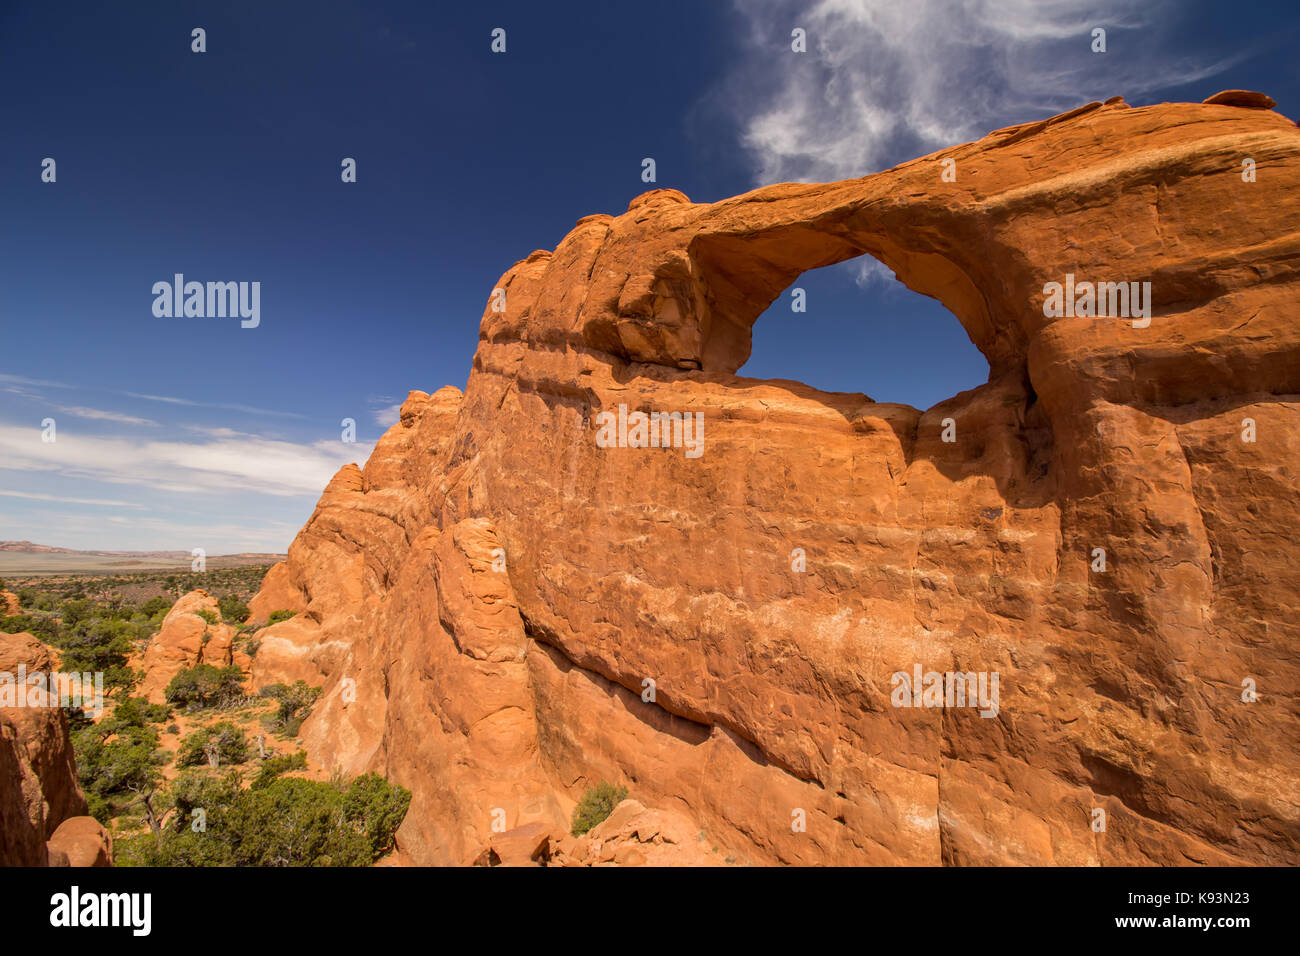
(633, 835)
(528, 845)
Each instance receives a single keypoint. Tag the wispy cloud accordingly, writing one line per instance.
(389, 415)
(63, 499)
(883, 81)
(100, 414)
(251, 464)
(227, 406)
(37, 382)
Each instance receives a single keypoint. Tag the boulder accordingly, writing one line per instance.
(186, 640)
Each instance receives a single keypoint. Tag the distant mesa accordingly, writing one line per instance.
(17, 557)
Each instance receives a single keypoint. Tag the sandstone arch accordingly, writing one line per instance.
(1121, 689)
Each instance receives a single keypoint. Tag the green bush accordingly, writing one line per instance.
(209, 617)
(377, 808)
(288, 822)
(211, 791)
(74, 611)
(16, 623)
(116, 758)
(206, 686)
(295, 702)
(99, 808)
(136, 712)
(273, 767)
(155, 606)
(278, 616)
(225, 741)
(596, 805)
(233, 610)
(100, 644)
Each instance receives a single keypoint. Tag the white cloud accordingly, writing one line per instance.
(251, 464)
(884, 81)
(20, 380)
(171, 400)
(389, 415)
(99, 414)
(61, 499)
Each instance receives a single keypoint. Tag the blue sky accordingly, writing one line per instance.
(175, 433)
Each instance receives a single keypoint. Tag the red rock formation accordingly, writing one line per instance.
(185, 640)
(83, 841)
(41, 803)
(9, 603)
(487, 601)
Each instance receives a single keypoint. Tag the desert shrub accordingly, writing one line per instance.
(206, 686)
(209, 617)
(99, 808)
(173, 729)
(281, 615)
(296, 822)
(288, 822)
(224, 741)
(15, 623)
(377, 807)
(115, 758)
(155, 605)
(99, 644)
(596, 805)
(74, 611)
(212, 791)
(273, 767)
(295, 702)
(136, 712)
(233, 610)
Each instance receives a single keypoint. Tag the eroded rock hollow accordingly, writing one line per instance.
(487, 601)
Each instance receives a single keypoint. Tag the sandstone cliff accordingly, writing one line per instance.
(488, 600)
(41, 803)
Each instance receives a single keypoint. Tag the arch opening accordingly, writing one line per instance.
(862, 330)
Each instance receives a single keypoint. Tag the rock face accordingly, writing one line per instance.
(41, 803)
(503, 612)
(9, 603)
(186, 640)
